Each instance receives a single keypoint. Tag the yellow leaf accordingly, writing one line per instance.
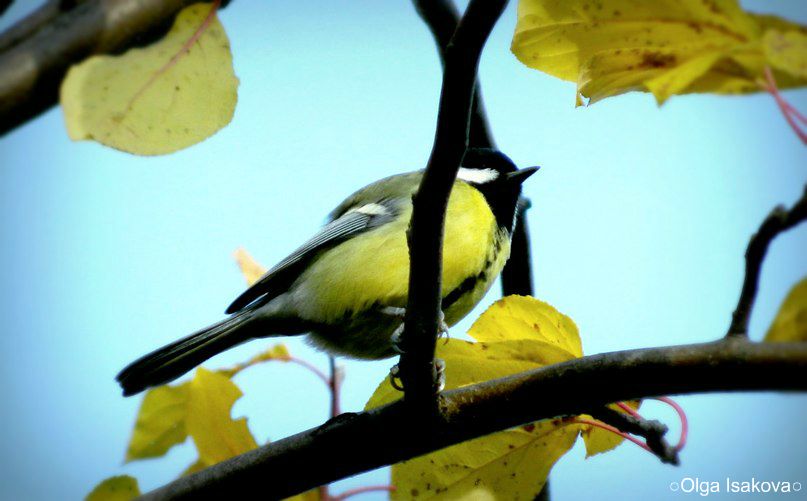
(121, 488)
(512, 464)
(160, 422)
(251, 269)
(787, 51)
(666, 47)
(598, 440)
(524, 317)
(160, 98)
(217, 436)
(312, 495)
(199, 465)
(790, 324)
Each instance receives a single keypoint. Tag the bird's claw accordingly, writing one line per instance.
(395, 339)
(439, 376)
(395, 377)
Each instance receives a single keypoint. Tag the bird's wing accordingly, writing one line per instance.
(351, 222)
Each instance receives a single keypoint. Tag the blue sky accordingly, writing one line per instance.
(639, 223)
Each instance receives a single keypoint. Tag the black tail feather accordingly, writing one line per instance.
(171, 361)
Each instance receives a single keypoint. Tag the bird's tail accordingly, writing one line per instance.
(171, 361)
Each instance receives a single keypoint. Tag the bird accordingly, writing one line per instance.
(347, 286)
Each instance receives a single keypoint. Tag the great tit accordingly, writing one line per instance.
(344, 286)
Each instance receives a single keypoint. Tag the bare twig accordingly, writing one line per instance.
(778, 221)
(395, 432)
(429, 205)
(651, 430)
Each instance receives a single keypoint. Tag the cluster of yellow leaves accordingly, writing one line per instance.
(515, 334)
(160, 98)
(200, 408)
(790, 324)
(667, 47)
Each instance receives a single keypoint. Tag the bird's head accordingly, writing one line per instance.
(498, 179)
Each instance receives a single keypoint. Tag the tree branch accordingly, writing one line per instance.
(398, 431)
(429, 204)
(36, 53)
(778, 221)
(442, 18)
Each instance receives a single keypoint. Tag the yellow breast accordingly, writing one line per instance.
(372, 269)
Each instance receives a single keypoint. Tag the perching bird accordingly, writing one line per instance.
(348, 285)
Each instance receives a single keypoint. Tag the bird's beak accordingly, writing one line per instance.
(521, 175)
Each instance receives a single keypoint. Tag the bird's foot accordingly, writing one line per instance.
(439, 376)
(395, 338)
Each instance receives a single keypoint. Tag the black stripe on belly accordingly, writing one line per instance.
(466, 286)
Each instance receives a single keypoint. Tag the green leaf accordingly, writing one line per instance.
(667, 47)
(217, 436)
(160, 98)
(121, 488)
(790, 324)
(160, 422)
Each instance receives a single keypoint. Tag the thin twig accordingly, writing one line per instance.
(335, 384)
(778, 221)
(608, 427)
(363, 490)
(682, 439)
(651, 430)
(311, 367)
(788, 111)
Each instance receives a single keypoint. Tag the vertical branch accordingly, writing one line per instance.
(429, 204)
(442, 18)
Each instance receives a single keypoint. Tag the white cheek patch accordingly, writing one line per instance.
(477, 176)
(371, 210)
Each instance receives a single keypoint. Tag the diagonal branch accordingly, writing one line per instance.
(429, 205)
(778, 221)
(395, 432)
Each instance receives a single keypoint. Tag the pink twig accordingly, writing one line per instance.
(788, 111)
(682, 440)
(186, 47)
(335, 384)
(310, 367)
(362, 490)
(630, 410)
(604, 426)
